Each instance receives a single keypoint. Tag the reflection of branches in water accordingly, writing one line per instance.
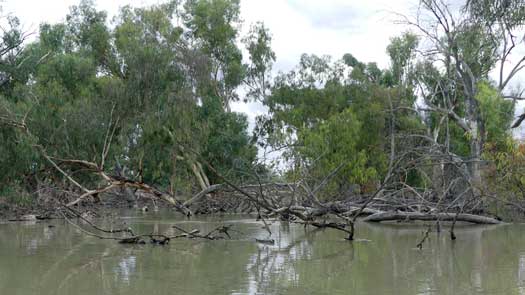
(220, 232)
(126, 267)
(93, 263)
(273, 262)
(459, 264)
(407, 229)
(86, 220)
(72, 252)
(103, 273)
(425, 237)
(306, 238)
(455, 266)
(270, 261)
(73, 272)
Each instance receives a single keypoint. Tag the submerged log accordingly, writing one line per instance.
(402, 216)
(132, 240)
(265, 241)
(27, 217)
(338, 208)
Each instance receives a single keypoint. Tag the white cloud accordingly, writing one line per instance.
(332, 27)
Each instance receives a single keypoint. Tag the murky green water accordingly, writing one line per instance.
(37, 259)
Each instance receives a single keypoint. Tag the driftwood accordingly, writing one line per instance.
(425, 237)
(201, 194)
(27, 217)
(265, 241)
(220, 232)
(402, 216)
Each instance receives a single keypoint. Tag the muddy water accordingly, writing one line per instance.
(39, 259)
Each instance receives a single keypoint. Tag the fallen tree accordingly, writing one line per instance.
(408, 216)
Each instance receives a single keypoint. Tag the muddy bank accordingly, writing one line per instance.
(48, 209)
(214, 203)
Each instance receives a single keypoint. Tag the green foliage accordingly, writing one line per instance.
(509, 12)
(163, 77)
(401, 51)
(476, 47)
(506, 173)
(496, 112)
(258, 44)
(332, 113)
(18, 156)
(164, 89)
(214, 24)
(228, 148)
(335, 142)
(16, 194)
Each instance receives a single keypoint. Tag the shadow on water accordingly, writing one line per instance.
(38, 259)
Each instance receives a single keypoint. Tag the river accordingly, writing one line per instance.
(36, 258)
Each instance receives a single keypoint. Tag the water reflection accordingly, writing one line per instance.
(37, 259)
(126, 267)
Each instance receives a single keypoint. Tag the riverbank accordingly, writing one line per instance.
(228, 202)
(208, 205)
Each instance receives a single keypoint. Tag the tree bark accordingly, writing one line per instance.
(202, 179)
(401, 216)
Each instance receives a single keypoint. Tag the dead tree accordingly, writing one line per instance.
(446, 34)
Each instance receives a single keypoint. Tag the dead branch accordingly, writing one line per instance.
(425, 237)
(404, 216)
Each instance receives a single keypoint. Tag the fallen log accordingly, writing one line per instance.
(405, 216)
(27, 217)
(265, 241)
(201, 194)
(338, 208)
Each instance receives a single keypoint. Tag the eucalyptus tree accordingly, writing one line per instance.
(185, 104)
(463, 46)
(17, 156)
(157, 84)
(333, 117)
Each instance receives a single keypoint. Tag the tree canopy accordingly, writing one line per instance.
(149, 95)
(159, 80)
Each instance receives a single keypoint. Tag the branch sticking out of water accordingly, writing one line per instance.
(425, 237)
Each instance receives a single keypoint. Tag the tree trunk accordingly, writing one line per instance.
(476, 143)
(438, 177)
(402, 216)
(202, 179)
(475, 124)
(475, 161)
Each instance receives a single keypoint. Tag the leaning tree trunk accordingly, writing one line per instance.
(202, 179)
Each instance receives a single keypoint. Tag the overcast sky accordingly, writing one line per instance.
(333, 27)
